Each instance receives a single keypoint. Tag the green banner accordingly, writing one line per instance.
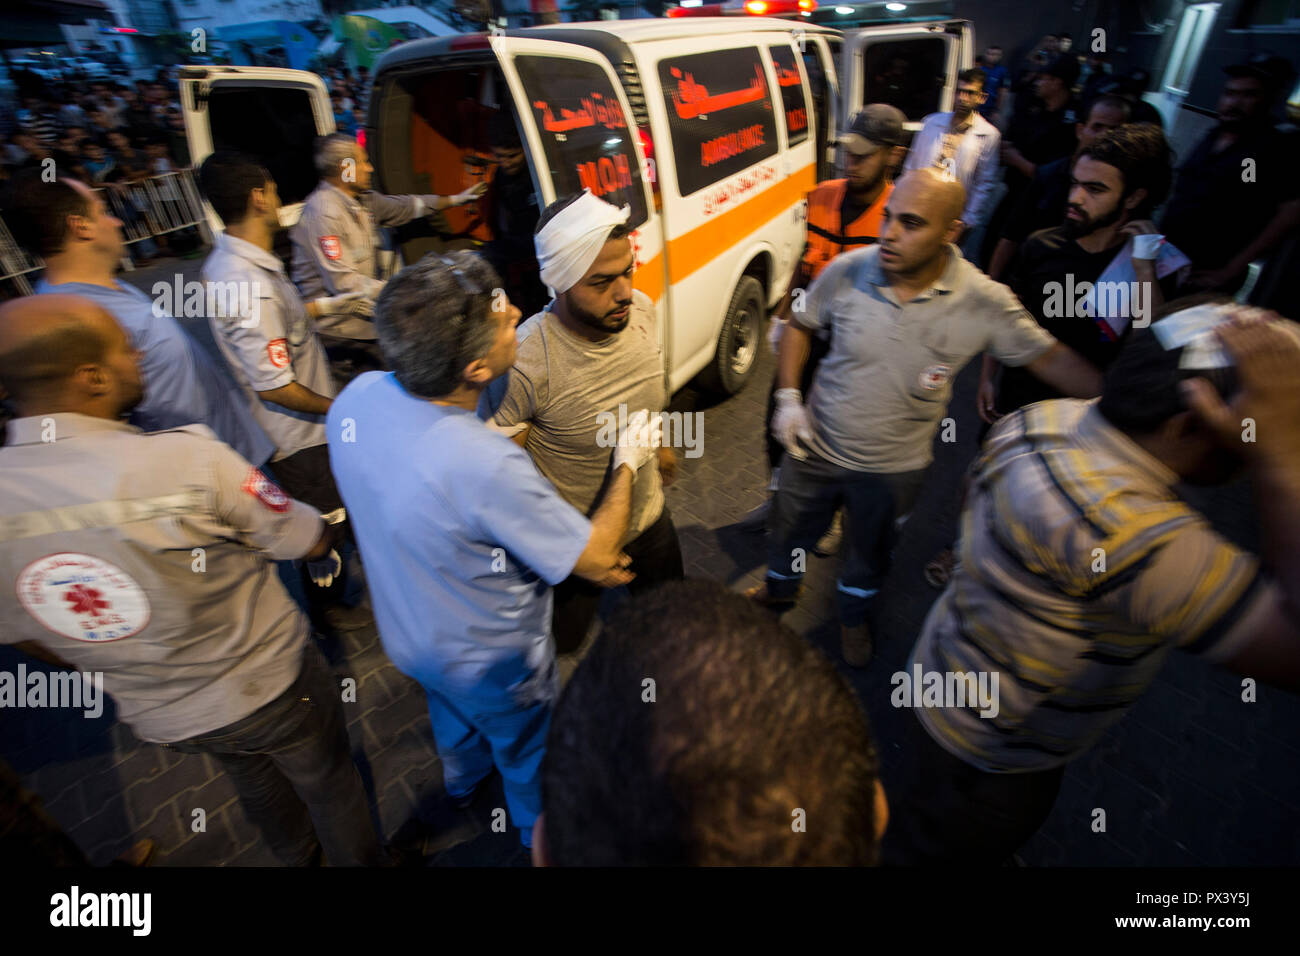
(366, 37)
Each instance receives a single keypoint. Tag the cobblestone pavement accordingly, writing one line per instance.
(1192, 775)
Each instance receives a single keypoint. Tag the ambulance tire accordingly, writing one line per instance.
(739, 341)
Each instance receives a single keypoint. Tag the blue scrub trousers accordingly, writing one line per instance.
(472, 734)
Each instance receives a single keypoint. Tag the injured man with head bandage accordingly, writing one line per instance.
(587, 363)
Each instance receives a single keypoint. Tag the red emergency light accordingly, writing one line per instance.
(470, 41)
(754, 8)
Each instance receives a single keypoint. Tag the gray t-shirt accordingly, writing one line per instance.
(570, 389)
(879, 394)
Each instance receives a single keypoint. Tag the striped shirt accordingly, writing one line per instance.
(1080, 568)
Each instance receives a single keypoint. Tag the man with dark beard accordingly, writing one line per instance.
(586, 365)
(1115, 184)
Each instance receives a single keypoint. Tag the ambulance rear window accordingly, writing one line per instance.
(908, 73)
(791, 86)
(585, 134)
(720, 114)
(275, 126)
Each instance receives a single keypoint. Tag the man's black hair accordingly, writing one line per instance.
(37, 211)
(974, 75)
(1142, 155)
(1140, 391)
(698, 731)
(621, 231)
(227, 178)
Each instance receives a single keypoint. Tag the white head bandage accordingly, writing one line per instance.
(570, 243)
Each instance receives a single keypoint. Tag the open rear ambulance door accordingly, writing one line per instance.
(911, 66)
(270, 113)
(581, 134)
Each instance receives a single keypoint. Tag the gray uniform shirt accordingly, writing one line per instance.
(336, 249)
(144, 557)
(879, 394)
(570, 389)
(269, 343)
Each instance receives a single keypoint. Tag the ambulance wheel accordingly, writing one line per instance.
(739, 341)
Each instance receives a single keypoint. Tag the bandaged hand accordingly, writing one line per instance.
(792, 423)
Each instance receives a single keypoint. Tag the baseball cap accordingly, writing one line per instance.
(875, 127)
(1065, 68)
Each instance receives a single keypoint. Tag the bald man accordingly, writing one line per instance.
(903, 317)
(146, 560)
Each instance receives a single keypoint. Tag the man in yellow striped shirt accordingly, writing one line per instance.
(1081, 568)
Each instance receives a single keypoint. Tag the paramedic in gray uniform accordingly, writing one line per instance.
(337, 247)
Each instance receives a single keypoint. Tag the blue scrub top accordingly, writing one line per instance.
(182, 384)
(461, 537)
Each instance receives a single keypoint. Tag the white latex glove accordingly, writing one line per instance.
(324, 571)
(639, 441)
(349, 303)
(792, 423)
(469, 195)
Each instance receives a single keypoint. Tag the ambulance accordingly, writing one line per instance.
(707, 130)
(712, 130)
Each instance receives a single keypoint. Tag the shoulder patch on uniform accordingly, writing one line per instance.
(934, 376)
(266, 491)
(277, 350)
(83, 597)
(331, 246)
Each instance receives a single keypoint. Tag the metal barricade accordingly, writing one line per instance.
(148, 208)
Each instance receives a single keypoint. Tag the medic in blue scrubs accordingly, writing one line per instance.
(461, 537)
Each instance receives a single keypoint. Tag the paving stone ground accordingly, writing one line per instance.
(1192, 775)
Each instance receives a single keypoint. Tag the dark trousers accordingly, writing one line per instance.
(306, 476)
(291, 762)
(944, 811)
(809, 494)
(351, 357)
(656, 557)
(816, 352)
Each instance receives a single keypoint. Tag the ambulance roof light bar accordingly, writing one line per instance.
(755, 8)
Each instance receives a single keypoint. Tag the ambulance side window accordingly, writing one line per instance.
(791, 86)
(585, 133)
(720, 113)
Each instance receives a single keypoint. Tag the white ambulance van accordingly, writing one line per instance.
(712, 130)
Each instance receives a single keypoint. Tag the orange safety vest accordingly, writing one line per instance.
(827, 236)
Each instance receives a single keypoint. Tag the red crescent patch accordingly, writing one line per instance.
(277, 350)
(331, 246)
(266, 491)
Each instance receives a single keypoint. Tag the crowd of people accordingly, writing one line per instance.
(431, 456)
